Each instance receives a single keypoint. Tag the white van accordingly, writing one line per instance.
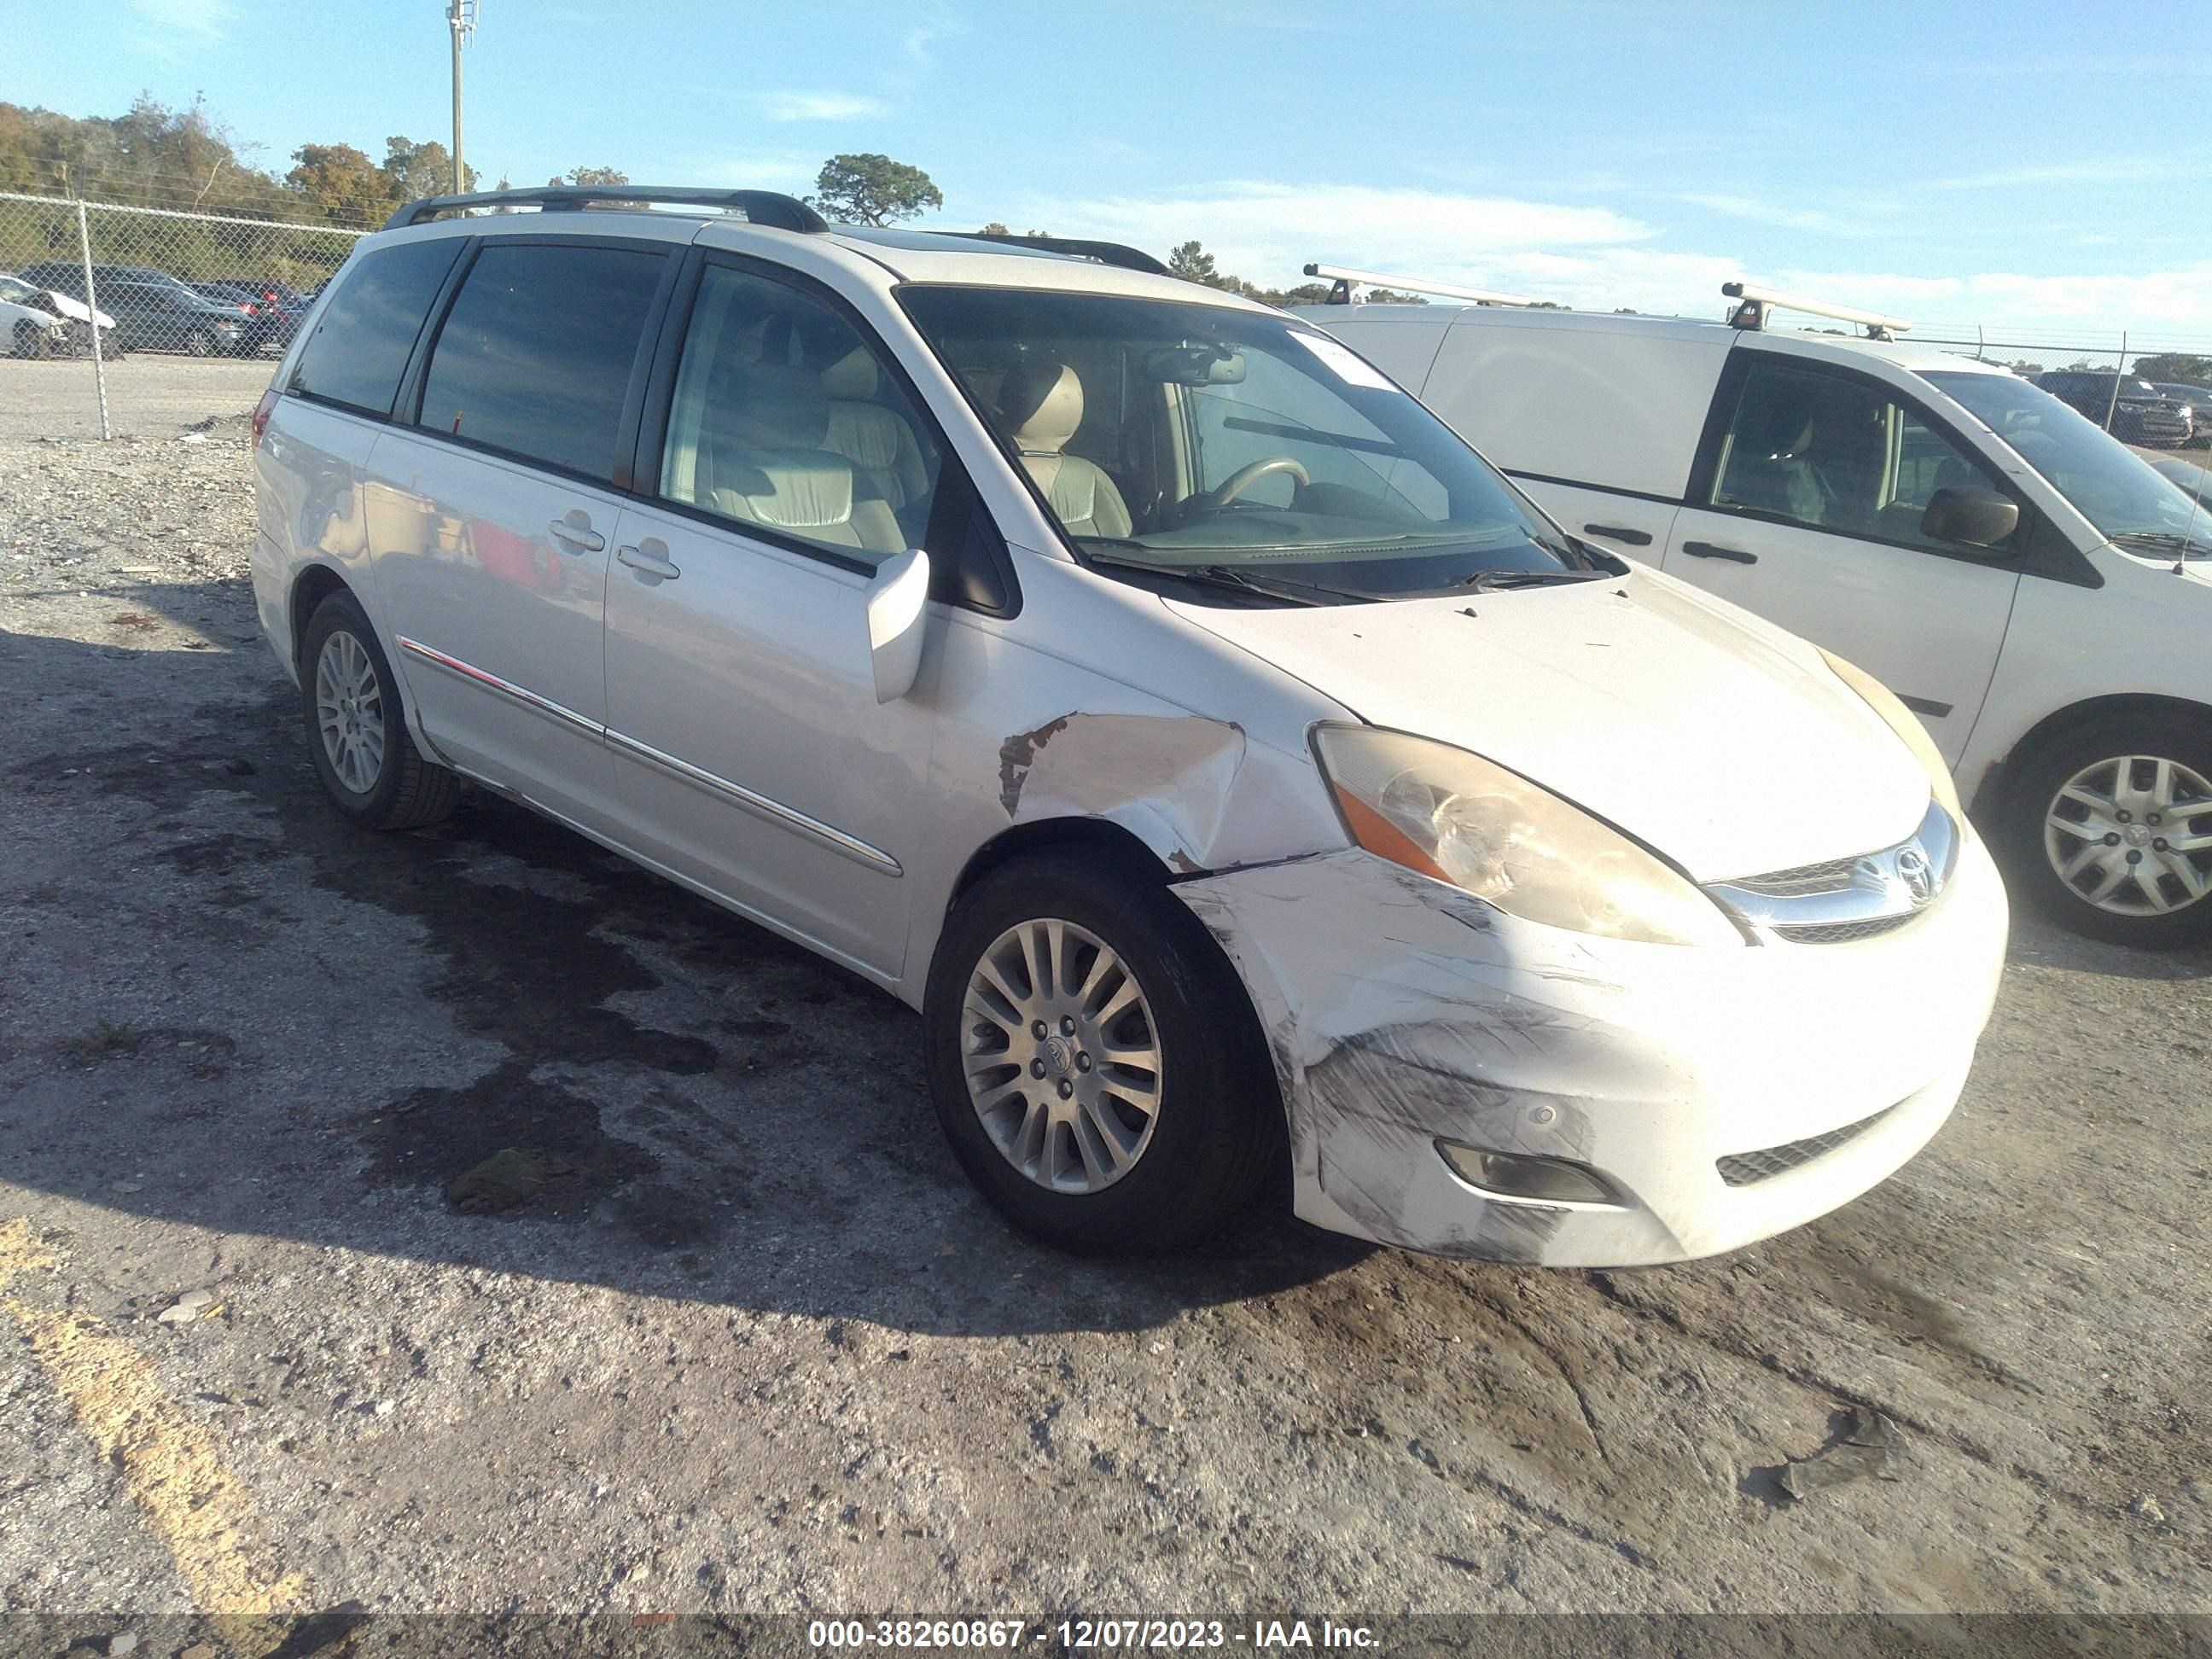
(2032, 589)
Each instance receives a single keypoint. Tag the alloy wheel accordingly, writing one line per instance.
(1062, 1055)
(2132, 835)
(350, 712)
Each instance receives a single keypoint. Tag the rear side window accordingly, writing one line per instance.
(360, 347)
(535, 357)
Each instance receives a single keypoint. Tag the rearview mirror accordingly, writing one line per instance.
(1969, 513)
(897, 618)
(1195, 365)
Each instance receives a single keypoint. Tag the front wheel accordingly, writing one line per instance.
(2111, 830)
(1094, 1059)
(200, 343)
(356, 730)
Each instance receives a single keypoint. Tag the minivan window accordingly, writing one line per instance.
(1239, 448)
(785, 418)
(1831, 453)
(2108, 483)
(360, 344)
(535, 356)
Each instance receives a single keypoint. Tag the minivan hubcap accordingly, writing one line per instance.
(1062, 1057)
(350, 712)
(2133, 835)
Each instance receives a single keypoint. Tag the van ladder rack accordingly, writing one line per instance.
(1345, 279)
(1754, 302)
(1107, 253)
(761, 207)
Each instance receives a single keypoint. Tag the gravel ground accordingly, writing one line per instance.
(757, 1346)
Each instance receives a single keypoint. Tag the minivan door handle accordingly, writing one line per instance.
(1616, 532)
(1714, 551)
(649, 558)
(575, 527)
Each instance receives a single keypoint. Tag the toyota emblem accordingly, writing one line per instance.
(1916, 874)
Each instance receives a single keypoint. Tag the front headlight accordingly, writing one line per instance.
(1459, 818)
(1907, 724)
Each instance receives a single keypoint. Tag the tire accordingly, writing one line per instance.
(398, 789)
(30, 340)
(200, 343)
(1216, 1126)
(2115, 760)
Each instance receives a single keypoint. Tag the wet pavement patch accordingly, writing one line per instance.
(504, 1145)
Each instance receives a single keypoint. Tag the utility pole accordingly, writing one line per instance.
(461, 16)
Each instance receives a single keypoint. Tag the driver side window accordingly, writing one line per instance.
(1832, 452)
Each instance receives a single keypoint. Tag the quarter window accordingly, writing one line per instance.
(536, 355)
(785, 417)
(361, 342)
(1834, 453)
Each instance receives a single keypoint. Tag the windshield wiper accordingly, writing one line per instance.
(2172, 540)
(1228, 576)
(1497, 581)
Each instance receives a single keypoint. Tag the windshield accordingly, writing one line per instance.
(1244, 450)
(2110, 485)
(19, 293)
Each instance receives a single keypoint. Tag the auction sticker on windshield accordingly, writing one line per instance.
(1349, 365)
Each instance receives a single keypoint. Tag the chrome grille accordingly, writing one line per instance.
(1749, 1169)
(1844, 933)
(1805, 879)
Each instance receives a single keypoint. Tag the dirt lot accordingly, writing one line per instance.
(760, 1348)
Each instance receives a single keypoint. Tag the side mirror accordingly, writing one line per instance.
(897, 618)
(1969, 513)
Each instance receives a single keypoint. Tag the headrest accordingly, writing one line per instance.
(801, 490)
(772, 405)
(1042, 404)
(852, 377)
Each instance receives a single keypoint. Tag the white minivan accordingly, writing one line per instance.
(2031, 588)
(1250, 791)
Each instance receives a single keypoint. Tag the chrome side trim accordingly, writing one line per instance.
(1892, 885)
(528, 698)
(774, 810)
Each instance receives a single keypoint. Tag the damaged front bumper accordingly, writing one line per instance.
(1723, 1094)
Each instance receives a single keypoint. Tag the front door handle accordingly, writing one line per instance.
(575, 527)
(1714, 551)
(1618, 532)
(649, 558)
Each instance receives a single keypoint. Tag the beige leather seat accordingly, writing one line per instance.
(1042, 404)
(877, 440)
(763, 461)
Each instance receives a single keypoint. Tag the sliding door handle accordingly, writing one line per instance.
(649, 558)
(575, 527)
(1714, 551)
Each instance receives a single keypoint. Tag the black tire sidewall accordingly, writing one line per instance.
(2184, 737)
(1220, 1108)
(342, 612)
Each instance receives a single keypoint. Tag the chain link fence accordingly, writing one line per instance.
(2154, 391)
(120, 320)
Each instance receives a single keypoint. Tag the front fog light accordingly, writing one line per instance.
(1516, 1174)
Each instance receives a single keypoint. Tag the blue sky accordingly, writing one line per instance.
(2037, 168)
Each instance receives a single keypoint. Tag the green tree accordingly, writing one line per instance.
(994, 228)
(419, 170)
(2180, 366)
(341, 186)
(590, 176)
(868, 189)
(1190, 261)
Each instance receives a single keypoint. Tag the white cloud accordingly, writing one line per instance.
(819, 106)
(2114, 170)
(176, 27)
(1763, 213)
(788, 170)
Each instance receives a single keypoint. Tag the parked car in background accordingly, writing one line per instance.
(1245, 784)
(37, 322)
(155, 311)
(2028, 585)
(2199, 399)
(2140, 413)
(266, 324)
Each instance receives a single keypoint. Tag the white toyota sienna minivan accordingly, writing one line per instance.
(1240, 777)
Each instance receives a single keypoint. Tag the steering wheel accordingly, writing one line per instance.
(1243, 478)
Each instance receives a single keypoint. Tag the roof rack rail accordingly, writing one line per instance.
(761, 207)
(1107, 253)
(1345, 279)
(1755, 301)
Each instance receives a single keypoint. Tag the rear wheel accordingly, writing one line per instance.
(2111, 830)
(200, 343)
(1094, 1059)
(356, 731)
(30, 340)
